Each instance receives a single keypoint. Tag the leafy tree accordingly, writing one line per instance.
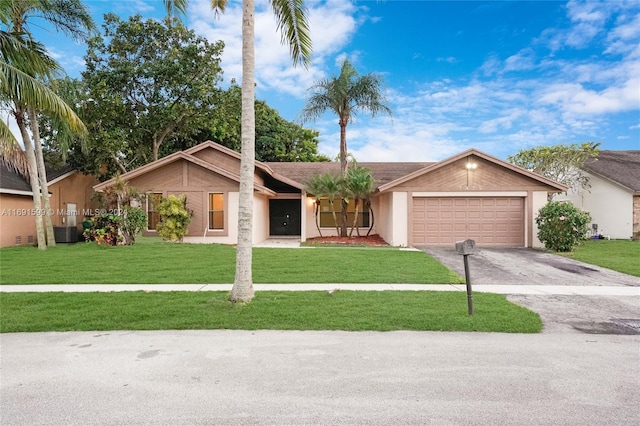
(276, 138)
(174, 218)
(346, 95)
(562, 163)
(292, 22)
(150, 82)
(20, 72)
(561, 226)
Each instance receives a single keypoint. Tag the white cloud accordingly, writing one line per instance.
(273, 61)
(523, 60)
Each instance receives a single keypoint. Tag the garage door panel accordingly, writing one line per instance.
(491, 221)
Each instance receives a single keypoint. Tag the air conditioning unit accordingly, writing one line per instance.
(65, 234)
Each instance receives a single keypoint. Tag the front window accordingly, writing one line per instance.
(216, 211)
(153, 217)
(326, 216)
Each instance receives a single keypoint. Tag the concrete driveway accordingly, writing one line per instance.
(519, 266)
(559, 313)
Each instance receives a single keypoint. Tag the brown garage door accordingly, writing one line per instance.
(491, 221)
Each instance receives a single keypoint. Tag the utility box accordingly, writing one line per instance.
(65, 234)
(466, 247)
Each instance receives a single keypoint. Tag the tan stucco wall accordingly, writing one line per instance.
(17, 223)
(76, 189)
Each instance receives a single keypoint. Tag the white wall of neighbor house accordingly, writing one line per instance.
(610, 206)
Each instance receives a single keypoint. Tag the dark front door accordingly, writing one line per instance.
(284, 217)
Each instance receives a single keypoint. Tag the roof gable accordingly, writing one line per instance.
(468, 154)
(177, 156)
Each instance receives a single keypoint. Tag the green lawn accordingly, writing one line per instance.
(619, 255)
(154, 262)
(309, 310)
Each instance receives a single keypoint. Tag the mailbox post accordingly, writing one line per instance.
(465, 248)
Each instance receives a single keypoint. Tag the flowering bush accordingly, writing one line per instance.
(561, 226)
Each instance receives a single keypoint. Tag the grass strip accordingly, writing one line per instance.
(155, 262)
(309, 310)
(619, 255)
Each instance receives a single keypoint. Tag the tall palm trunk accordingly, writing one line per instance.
(343, 170)
(42, 174)
(373, 219)
(33, 177)
(242, 290)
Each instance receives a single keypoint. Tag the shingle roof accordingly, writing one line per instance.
(382, 172)
(53, 174)
(11, 180)
(622, 167)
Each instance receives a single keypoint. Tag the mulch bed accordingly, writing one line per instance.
(371, 240)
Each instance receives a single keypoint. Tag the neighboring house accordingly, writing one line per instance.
(471, 195)
(613, 199)
(70, 195)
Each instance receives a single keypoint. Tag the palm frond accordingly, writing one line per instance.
(291, 18)
(22, 88)
(10, 153)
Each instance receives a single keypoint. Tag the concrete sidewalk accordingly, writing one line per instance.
(499, 289)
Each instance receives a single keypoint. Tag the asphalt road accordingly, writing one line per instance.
(336, 378)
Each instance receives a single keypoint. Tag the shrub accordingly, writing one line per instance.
(561, 226)
(174, 217)
(134, 220)
(104, 229)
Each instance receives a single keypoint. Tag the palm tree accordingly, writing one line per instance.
(292, 22)
(346, 95)
(333, 188)
(72, 18)
(20, 88)
(359, 184)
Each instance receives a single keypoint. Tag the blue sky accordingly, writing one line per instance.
(498, 76)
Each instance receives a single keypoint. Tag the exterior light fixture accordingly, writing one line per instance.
(471, 166)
